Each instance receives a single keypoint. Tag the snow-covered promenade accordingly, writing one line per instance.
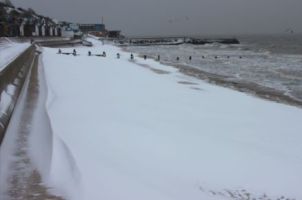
(9, 51)
(121, 129)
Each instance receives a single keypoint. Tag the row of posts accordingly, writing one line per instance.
(132, 56)
(177, 58)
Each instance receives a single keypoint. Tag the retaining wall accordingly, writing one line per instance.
(12, 79)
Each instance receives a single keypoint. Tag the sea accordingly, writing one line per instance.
(272, 61)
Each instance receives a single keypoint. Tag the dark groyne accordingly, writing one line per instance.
(150, 41)
(197, 41)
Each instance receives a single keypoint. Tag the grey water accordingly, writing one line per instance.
(273, 61)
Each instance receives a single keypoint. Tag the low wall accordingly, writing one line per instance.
(11, 82)
(59, 43)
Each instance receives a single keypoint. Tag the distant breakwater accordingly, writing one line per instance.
(151, 41)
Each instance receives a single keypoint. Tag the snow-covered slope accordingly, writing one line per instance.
(10, 50)
(141, 130)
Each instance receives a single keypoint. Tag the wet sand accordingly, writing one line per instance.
(242, 86)
(157, 71)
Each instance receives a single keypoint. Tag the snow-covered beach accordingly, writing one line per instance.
(122, 129)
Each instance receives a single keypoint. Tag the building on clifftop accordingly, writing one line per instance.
(6, 2)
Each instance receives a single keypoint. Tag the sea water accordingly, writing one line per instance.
(273, 61)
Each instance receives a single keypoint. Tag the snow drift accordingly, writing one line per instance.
(50, 154)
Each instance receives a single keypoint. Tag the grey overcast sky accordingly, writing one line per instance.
(177, 17)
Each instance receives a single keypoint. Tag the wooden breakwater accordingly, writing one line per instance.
(150, 41)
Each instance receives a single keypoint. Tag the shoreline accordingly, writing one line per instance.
(241, 86)
(250, 88)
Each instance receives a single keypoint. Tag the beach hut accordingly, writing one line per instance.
(40, 30)
(36, 33)
(2, 29)
(43, 30)
(13, 30)
(47, 31)
(29, 29)
(50, 30)
(59, 32)
(21, 29)
(53, 31)
(56, 31)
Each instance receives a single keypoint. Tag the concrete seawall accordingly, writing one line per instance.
(12, 79)
(11, 82)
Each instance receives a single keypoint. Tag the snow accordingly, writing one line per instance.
(52, 158)
(122, 131)
(7, 151)
(9, 51)
(5, 103)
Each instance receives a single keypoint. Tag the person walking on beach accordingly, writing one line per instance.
(118, 55)
(74, 52)
(131, 57)
(59, 52)
(104, 54)
(89, 53)
(158, 57)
